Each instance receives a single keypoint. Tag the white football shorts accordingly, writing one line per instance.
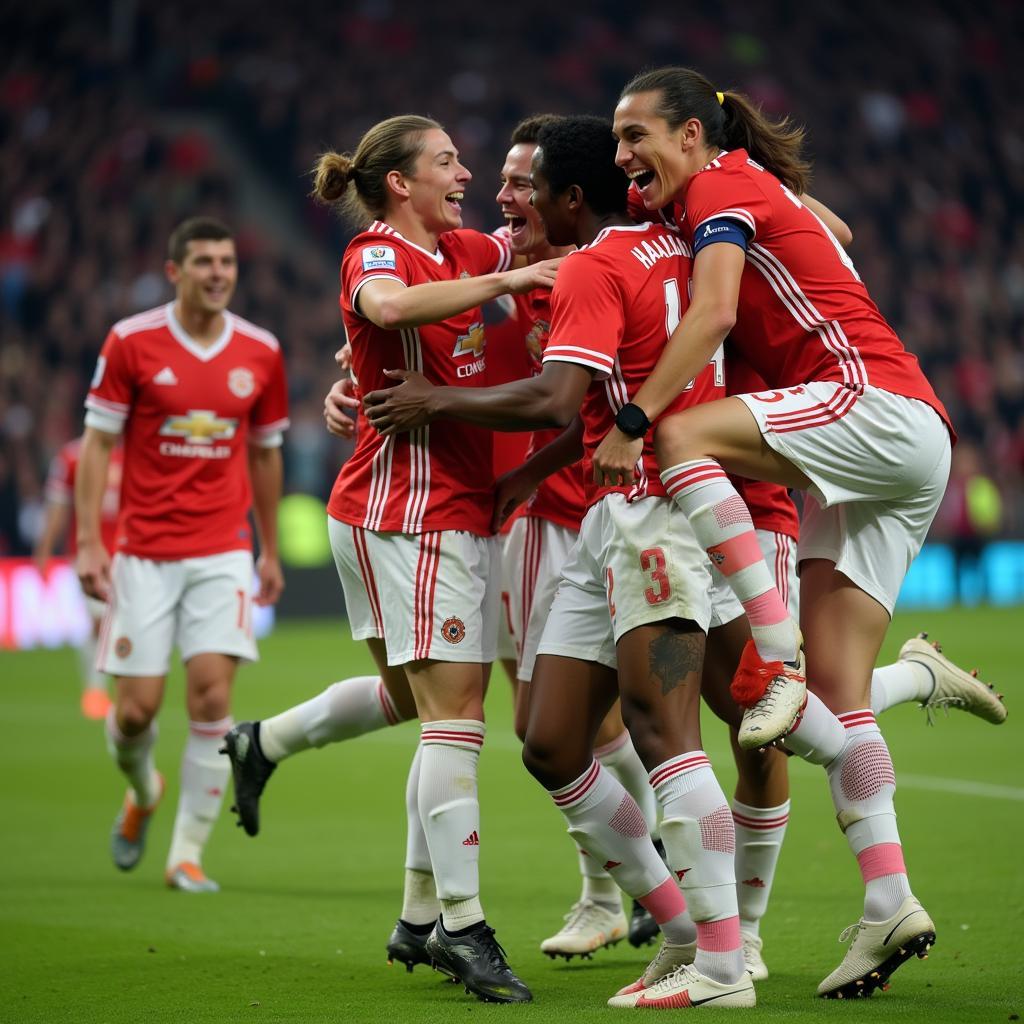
(429, 595)
(202, 605)
(634, 564)
(878, 464)
(536, 551)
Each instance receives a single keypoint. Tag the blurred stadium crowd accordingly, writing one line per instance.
(121, 119)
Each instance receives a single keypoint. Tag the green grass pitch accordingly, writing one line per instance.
(298, 932)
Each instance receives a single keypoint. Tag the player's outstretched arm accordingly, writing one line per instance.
(393, 306)
(831, 220)
(550, 400)
(93, 560)
(266, 471)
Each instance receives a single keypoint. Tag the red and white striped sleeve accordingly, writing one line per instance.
(587, 315)
(112, 389)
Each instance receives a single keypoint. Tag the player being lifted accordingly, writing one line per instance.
(199, 396)
(850, 419)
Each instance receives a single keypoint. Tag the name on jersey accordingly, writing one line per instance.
(661, 247)
(379, 257)
(472, 343)
(200, 429)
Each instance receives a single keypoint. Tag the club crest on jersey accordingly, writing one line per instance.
(472, 342)
(241, 382)
(379, 257)
(536, 335)
(199, 426)
(453, 630)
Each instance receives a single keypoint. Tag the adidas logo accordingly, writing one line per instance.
(754, 883)
(680, 874)
(473, 839)
(166, 377)
(612, 864)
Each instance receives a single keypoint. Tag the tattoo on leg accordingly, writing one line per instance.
(674, 655)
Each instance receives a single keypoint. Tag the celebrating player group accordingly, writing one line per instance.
(689, 342)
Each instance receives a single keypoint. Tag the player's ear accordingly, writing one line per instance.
(574, 197)
(395, 182)
(172, 271)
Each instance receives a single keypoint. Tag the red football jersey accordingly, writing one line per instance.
(770, 505)
(60, 490)
(187, 412)
(562, 497)
(507, 360)
(614, 304)
(441, 476)
(804, 314)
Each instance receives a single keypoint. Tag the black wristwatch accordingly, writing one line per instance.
(632, 420)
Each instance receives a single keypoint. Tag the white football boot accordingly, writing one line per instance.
(589, 926)
(954, 688)
(687, 988)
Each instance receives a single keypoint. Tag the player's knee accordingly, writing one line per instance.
(549, 762)
(134, 714)
(210, 700)
(675, 441)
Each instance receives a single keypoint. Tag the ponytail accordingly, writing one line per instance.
(730, 121)
(355, 184)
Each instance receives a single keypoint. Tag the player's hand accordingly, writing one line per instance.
(268, 572)
(616, 458)
(510, 491)
(341, 397)
(536, 275)
(343, 357)
(405, 407)
(92, 563)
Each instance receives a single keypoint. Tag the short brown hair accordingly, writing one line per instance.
(528, 130)
(195, 229)
(391, 145)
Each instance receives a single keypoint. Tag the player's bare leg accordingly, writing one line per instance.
(345, 710)
(204, 773)
(844, 628)
(449, 700)
(131, 734)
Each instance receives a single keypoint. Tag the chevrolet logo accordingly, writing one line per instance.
(200, 426)
(474, 341)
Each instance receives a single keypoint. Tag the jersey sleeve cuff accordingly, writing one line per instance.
(367, 280)
(102, 419)
(596, 361)
(268, 435)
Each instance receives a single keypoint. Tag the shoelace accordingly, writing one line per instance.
(851, 931)
(579, 915)
(766, 705)
(686, 973)
(493, 950)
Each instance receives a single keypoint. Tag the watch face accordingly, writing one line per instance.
(631, 420)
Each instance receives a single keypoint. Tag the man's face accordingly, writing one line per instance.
(437, 186)
(526, 230)
(205, 279)
(559, 226)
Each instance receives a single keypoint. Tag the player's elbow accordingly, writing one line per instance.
(720, 318)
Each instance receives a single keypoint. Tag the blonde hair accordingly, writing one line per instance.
(355, 183)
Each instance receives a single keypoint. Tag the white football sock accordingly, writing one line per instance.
(622, 760)
(759, 835)
(700, 842)
(134, 756)
(450, 811)
(899, 683)
(818, 735)
(343, 711)
(204, 777)
(863, 784)
(419, 896)
(606, 821)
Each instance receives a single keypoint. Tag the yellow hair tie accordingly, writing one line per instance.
(721, 97)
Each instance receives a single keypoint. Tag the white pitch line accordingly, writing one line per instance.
(962, 786)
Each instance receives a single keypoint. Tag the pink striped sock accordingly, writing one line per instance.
(721, 521)
(720, 950)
